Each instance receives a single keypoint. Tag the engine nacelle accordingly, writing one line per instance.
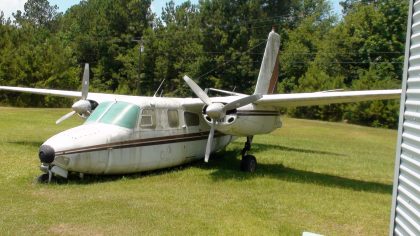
(247, 123)
(84, 107)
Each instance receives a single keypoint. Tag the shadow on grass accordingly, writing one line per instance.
(27, 143)
(74, 179)
(259, 147)
(226, 166)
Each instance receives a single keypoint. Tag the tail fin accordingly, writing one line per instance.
(269, 71)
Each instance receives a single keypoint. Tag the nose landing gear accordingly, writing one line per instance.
(249, 162)
(50, 172)
(45, 178)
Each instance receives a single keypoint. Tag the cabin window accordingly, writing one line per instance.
(191, 119)
(173, 119)
(115, 113)
(148, 119)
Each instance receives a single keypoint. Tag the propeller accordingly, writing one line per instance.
(65, 117)
(83, 106)
(217, 110)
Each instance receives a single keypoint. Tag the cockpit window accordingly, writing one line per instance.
(148, 119)
(98, 112)
(115, 113)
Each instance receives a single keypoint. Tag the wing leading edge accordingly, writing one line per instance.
(60, 93)
(325, 98)
(98, 97)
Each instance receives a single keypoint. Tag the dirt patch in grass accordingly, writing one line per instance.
(72, 229)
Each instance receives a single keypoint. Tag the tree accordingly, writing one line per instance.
(102, 33)
(38, 13)
(304, 44)
(173, 49)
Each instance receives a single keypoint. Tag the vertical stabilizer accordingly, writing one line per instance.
(269, 71)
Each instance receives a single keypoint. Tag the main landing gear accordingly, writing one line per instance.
(248, 163)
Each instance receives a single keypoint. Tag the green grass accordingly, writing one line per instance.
(328, 178)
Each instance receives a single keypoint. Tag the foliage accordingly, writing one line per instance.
(362, 51)
(219, 43)
(38, 13)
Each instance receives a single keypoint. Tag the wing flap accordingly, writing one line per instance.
(325, 98)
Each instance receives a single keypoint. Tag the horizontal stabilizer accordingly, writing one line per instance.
(226, 92)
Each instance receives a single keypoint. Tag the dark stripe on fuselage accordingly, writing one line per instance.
(142, 142)
(257, 113)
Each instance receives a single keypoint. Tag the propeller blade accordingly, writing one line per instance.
(197, 90)
(85, 83)
(209, 142)
(65, 117)
(241, 102)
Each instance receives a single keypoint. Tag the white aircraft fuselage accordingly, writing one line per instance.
(152, 133)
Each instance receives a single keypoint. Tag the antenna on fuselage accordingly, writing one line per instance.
(161, 83)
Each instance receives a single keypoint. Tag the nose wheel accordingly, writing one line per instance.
(45, 178)
(249, 162)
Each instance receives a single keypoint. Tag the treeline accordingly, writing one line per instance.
(219, 43)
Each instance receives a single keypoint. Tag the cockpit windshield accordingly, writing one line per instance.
(123, 114)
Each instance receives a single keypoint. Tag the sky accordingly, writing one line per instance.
(11, 6)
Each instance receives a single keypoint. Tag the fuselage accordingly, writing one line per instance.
(146, 134)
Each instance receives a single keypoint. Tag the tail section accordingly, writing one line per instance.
(269, 71)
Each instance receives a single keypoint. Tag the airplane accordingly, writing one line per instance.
(127, 134)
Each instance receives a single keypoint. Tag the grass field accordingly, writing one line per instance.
(328, 178)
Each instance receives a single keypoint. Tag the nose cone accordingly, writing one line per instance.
(46, 154)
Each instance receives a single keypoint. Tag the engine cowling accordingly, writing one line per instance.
(84, 107)
(247, 122)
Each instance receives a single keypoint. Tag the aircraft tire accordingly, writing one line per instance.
(43, 179)
(248, 163)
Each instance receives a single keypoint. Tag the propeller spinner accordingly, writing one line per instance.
(82, 107)
(217, 110)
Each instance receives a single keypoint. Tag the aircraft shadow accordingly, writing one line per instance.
(226, 166)
(26, 143)
(94, 179)
(259, 147)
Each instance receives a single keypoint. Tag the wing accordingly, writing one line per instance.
(192, 104)
(60, 93)
(98, 97)
(325, 98)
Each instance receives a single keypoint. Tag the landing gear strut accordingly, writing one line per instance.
(248, 163)
(47, 176)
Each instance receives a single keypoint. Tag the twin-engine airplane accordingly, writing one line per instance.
(126, 134)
